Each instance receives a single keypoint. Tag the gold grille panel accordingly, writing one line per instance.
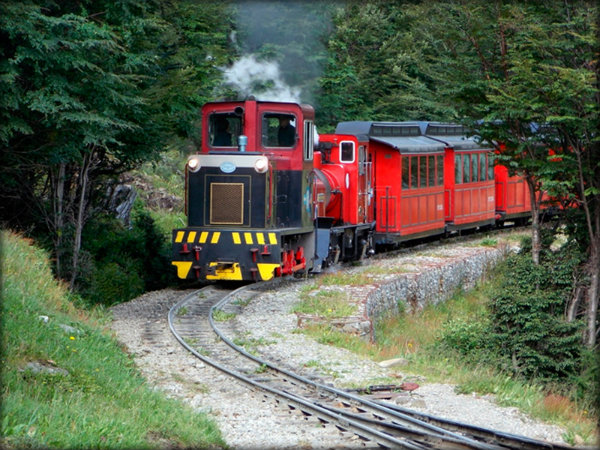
(227, 203)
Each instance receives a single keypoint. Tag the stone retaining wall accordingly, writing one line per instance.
(436, 281)
(413, 281)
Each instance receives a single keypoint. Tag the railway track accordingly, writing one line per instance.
(194, 323)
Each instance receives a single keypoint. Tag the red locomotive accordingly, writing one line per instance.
(263, 199)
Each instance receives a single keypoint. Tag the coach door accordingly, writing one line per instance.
(365, 191)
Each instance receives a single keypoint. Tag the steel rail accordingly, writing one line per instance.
(490, 439)
(357, 424)
(340, 393)
(481, 432)
(322, 413)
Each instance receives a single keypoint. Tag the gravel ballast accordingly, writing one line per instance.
(248, 419)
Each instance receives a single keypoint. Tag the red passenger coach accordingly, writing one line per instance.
(407, 179)
(469, 200)
(513, 202)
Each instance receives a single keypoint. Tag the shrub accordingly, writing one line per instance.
(120, 263)
(528, 328)
(113, 283)
(465, 337)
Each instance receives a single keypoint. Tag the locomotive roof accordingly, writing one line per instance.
(406, 137)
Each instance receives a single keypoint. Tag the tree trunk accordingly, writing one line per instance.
(573, 305)
(593, 265)
(83, 183)
(59, 220)
(536, 240)
(591, 207)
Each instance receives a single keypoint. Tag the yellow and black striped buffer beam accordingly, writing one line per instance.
(225, 237)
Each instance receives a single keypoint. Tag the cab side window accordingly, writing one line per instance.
(347, 152)
(224, 129)
(278, 130)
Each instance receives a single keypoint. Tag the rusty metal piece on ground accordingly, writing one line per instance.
(409, 386)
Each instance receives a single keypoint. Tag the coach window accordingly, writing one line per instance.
(431, 167)
(414, 171)
(224, 129)
(466, 169)
(309, 140)
(405, 174)
(475, 167)
(440, 170)
(346, 151)
(422, 171)
(490, 166)
(482, 171)
(457, 169)
(279, 130)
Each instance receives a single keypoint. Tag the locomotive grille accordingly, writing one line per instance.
(227, 203)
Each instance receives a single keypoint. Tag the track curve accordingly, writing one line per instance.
(192, 322)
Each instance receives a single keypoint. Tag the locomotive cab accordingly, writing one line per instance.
(344, 191)
(248, 194)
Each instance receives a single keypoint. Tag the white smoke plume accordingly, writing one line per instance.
(260, 78)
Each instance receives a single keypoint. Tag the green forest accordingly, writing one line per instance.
(91, 91)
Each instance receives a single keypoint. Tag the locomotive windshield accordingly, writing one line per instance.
(224, 129)
(278, 130)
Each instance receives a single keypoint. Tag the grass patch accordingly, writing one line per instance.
(98, 398)
(374, 270)
(221, 316)
(489, 242)
(241, 301)
(344, 279)
(261, 369)
(167, 221)
(251, 344)
(325, 334)
(325, 303)
(322, 369)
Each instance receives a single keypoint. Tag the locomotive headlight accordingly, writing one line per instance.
(261, 164)
(193, 163)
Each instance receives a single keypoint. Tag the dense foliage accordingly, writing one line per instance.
(525, 331)
(373, 70)
(89, 90)
(119, 262)
(528, 327)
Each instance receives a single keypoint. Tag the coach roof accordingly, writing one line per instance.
(452, 135)
(406, 137)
